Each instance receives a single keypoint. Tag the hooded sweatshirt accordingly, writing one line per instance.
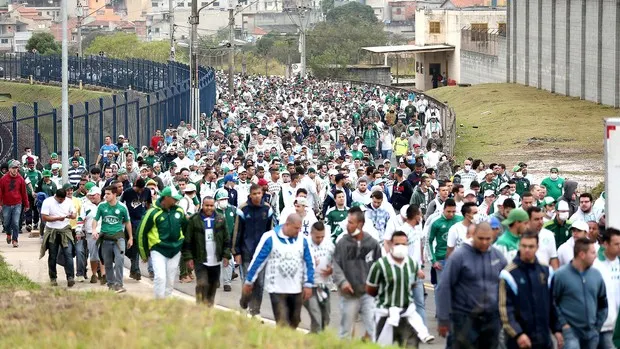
(569, 190)
(610, 270)
(470, 283)
(352, 261)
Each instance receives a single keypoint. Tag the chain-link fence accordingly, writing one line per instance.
(155, 95)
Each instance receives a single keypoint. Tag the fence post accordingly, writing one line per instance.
(114, 118)
(148, 118)
(158, 119)
(15, 135)
(138, 143)
(70, 127)
(126, 94)
(37, 144)
(86, 135)
(55, 129)
(100, 120)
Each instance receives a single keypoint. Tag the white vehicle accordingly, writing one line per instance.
(612, 172)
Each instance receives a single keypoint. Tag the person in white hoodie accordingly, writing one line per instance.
(578, 229)
(608, 264)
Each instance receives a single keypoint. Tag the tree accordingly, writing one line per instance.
(43, 43)
(326, 6)
(352, 12)
(265, 44)
(333, 45)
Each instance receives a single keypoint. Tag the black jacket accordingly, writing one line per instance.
(526, 303)
(401, 194)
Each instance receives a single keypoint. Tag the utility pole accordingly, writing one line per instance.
(80, 13)
(302, 26)
(231, 54)
(302, 38)
(193, 68)
(65, 93)
(171, 23)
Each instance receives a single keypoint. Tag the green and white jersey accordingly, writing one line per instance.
(508, 245)
(112, 218)
(394, 281)
(333, 217)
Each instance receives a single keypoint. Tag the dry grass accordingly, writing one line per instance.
(26, 93)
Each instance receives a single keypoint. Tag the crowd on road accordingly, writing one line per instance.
(303, 188)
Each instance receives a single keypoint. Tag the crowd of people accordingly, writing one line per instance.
(304, 188)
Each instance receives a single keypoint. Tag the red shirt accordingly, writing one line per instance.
(155, 142)
(13, 191)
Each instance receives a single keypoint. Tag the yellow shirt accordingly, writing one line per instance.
(401, 146)
(77, 206)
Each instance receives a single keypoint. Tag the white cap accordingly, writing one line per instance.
(487, 193)
(488, 171)
(94, 191)
(403, 211)
(301, 201)
(500, 200)
(563, 206)
(332, 172)
(189, 187)
(471, 192)
(580, 225)
(241, 170)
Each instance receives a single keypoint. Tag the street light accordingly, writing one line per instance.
(79, 11)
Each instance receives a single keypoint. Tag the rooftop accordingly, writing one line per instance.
(409, 48)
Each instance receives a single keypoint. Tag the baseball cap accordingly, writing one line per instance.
(89, 185)
(563, 206)
(301, 201)
(471, 192)
(340, 177)
(54, 156)
(241, 170)
(229, 178)
(502, 186)
(285, 172)
(403, 211)
(488, 171)
(151, 182)
(94, 191)
(30, 160)
(189, 188)
(548, 200)
(487, 193)
(171, 192)
(516, 168)
(494, 223)
(121, 171)
(386, 161)
(121, 136)
(516, 215)
(47, 173)
(67, 186)
(311, 170)
(262, 182)
(379, 181)
(332, 172)
(221, 194)
(15, 163)
(579, 225)
(56, 166)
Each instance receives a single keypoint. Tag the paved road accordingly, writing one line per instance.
(231, 300)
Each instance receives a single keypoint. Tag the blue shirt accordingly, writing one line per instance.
(105, 149)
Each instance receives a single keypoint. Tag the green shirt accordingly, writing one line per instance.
(484, 186)
(112, 218)
(439, 232)
(523, 185)
(560, 231)
(554, 187)
(370, 137)
(508, 244)
(394, 282)
(356, 154)
(150, 160)
(333, 219)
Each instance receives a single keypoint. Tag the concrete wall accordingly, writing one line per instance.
(371, 75)
(571, 47)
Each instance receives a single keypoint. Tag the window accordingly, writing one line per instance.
(156, 30)
(501, 29)
(398, 11)
(216, 4)
(203, 4)
(180, 4)
(435, 28)
(154, 4)
(479, 31)
(4, 41)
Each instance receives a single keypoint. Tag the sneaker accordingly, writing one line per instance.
(138, 277)
(119, 289)
(227, 288)
(83, 279)
(428, 339)
(151, 275)
(8, 239)
(234, 276)
(15, 244)
(29, 228)
(93, 279)
(103, 280)
(70, 283)
(53, 282)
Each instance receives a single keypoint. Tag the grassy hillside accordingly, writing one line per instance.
(25, 93)
(34, 317)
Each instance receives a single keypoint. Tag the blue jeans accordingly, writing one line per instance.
(438, 273)
(81, 255)
(605, 340)
(475, 331)
(386, 154)
(67, 252)
(418, 299)
(350, 307)
(256, 299)
(571, 341)
(10, 220)
(113, 254)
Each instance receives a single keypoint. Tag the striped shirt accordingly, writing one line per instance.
(394, 281)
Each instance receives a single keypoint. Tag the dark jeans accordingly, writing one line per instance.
(10, 220)
(475, 331)
(54, 247)
(81, 256)
(132, 253)
(31, 217)
(287, 308)
(256, 298)
(404, 335)
(207, 282)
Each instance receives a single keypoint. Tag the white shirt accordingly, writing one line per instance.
(53, 208)
(210, 243)
(323, 255)
(610, 270)
(87, 213)
(546, 247)
(183, 163)
(565, 251)
(456, 235)
(358, 196)
(414, 241)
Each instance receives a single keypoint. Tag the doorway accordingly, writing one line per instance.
(434, 71)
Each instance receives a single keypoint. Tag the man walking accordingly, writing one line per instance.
(229, 212)
(470, 283)
(85, 231)
(525, 304)
(283, 254)
(113, 217)
(161, 238)
(608, 265)
(318, 305)
(580, 298)
(207, 248)
(354, 255)
(56, 212)
(13, 198)
(254, 218)
(138, 201)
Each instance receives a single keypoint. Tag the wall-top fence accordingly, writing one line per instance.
(155, 95)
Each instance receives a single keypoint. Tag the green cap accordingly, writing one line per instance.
(221, 194)
(121, 171)
(54, 156)
(516, 168)
(171, 192)
(67, 186)
(88, 185)
(311, 170)
(516, 215)
(47, 173)
(548, 200)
